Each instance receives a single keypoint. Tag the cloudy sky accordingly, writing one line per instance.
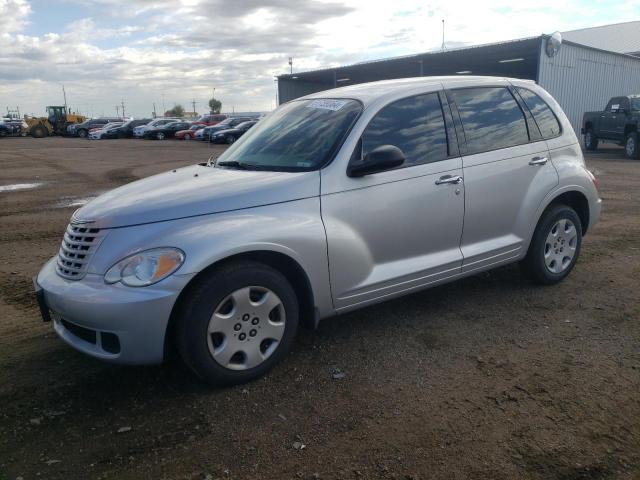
(176, 51)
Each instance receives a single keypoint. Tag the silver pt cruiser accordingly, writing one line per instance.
(335, 201)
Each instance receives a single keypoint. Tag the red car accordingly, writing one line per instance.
(212, 119)
(189, 134)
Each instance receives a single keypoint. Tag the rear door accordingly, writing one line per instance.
(398, 230)
(507, 173)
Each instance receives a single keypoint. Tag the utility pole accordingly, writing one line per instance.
(117, 111)
(64, 94)
(291, 64)
(164, 109)
(193, 103)
(154, 110)
(122, 103)
(443, 47)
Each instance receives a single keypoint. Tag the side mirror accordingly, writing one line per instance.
(377, 160)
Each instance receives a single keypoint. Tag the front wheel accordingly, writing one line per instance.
(82, 133)
(230, 139)
(590, 140)
(187, 136)
(39, 132)
(555, 246)
(237, 323)
(631, 149)
(160, 136)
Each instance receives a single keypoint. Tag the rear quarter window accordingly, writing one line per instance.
(545, 118)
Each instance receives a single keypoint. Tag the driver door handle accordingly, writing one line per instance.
(538, 161)
(455, 179)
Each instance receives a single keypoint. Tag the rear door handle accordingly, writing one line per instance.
(538, 161)
(455, 179)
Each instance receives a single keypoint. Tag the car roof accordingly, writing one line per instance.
(370, 92)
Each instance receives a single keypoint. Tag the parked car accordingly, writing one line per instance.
(165, 131)
(126, 129)
(6, 130)
(99, 133)
(335, 201)
(618, 123)
(82, 129)
(211, 119)
(231, 122)
(199, 134)
(138, 132)
(188, 134)
(230, 135)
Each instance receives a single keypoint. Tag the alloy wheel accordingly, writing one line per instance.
(630, 146)
(246, 328)
(560, 246)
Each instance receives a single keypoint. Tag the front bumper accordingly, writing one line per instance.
(89, 315)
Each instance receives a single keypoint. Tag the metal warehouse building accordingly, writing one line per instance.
(589, 67)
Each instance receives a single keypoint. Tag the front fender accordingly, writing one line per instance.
(292, 228)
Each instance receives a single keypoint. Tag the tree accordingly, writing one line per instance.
(215, 105)
(176, 111)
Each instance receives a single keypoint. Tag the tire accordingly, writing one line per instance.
(631, 149)
(187, 136)
(226, 356)
(160, 136)
(39, 132)
(590, 140)
(82, 133)
(230, 139)
(555, 246)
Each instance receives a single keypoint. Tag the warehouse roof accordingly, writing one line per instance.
(618, 37)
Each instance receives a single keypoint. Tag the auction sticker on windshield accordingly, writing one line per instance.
(328, 104)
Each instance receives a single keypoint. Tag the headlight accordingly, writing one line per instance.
(145, 268)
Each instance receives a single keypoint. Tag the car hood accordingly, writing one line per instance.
(225, 131)
(193, 191)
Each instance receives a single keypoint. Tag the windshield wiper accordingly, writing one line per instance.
(232, 164)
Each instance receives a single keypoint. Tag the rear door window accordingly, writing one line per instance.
(543, 115)
(491, 118)
(415, 125)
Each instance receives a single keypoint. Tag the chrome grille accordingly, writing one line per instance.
(78, 245)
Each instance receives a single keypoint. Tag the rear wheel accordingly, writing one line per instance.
(187, 136)
(230, 139)
(160, 136)
(590, 140)
(237, 323)
(555, 246)
(631, 146)
(39, 132)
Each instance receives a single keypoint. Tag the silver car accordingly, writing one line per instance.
(334, 201)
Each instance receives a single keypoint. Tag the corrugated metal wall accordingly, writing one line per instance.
(290, 89)
(583, 79)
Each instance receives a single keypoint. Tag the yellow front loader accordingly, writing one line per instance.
(55, 123)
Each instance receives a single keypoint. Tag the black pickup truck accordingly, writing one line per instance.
(617, 124)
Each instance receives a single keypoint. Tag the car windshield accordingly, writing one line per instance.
(299, 136)
(245, 125)
(635, 103)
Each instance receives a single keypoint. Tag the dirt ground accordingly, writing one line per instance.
(487, 378)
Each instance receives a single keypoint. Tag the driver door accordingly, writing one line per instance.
(398, 230)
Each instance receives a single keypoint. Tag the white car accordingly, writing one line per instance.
(334, 201)
(97, 134)
(138, 132)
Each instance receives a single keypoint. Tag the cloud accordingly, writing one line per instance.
(13, 15)
(148, 51)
